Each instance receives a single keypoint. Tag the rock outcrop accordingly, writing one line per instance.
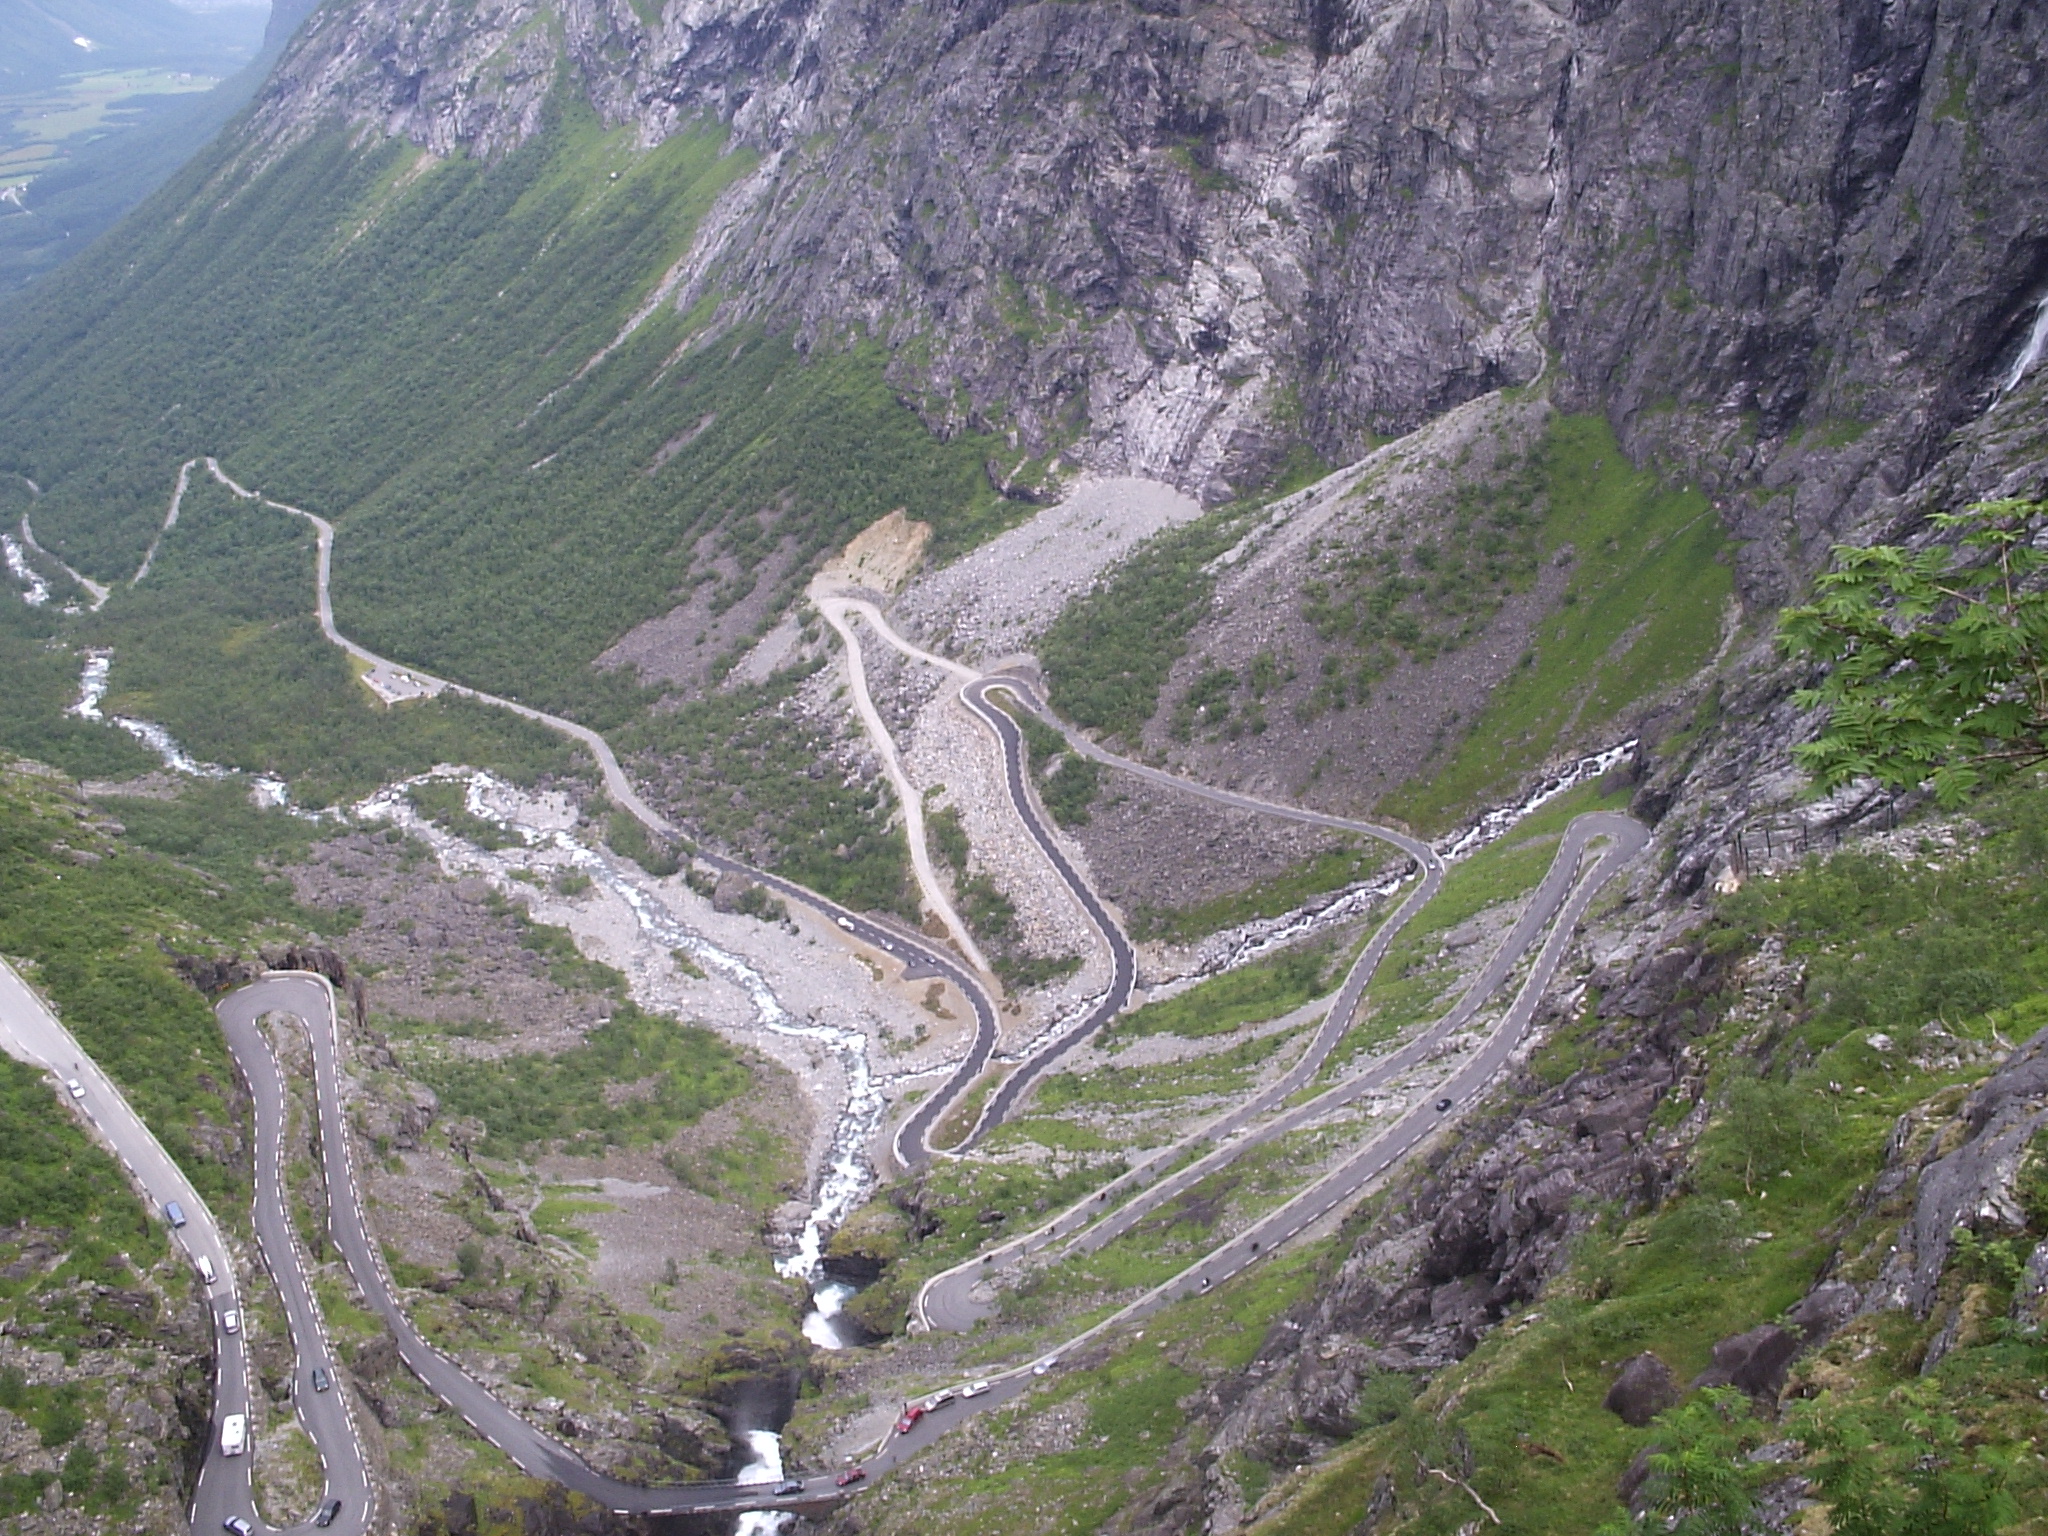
(1791, 249)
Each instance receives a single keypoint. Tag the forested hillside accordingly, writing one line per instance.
(397, 341)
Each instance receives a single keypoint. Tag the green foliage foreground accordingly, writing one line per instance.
(1937, 659)
(1898, 961)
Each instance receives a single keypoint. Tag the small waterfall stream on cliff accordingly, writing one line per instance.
(2030, 354)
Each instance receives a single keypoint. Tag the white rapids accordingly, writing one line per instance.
(765, 1466)
(847, 1175)
(265, 789)
(36, 590)
(827, 1302)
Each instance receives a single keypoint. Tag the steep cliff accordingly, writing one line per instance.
(1171, 237)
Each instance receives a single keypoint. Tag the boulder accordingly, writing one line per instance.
(1755, 1361)
(1644, 1389)
(1824, 1310)
(458, 1513)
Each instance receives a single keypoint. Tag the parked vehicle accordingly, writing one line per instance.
(174, 1213)
(851, 1476)
(234, 1434)
(939, 1400)
(328, 1513)
(1045, 1365)
(974, 1390)
(206, 1269)
(907, 1420)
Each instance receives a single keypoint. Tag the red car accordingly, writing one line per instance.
(851, 1476)
(912, 1412)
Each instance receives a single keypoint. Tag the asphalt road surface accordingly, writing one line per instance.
(31, 1033)
(1123, 960)
(912, 1140)
(311, 1000)
(923, 958)
(948, 1301)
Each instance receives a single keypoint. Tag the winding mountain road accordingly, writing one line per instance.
(912, 1143)
(310, 999)
(920, 958)
(28, 1030)
(949, 1300)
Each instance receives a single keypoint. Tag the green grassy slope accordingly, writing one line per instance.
(92, 909)
(75, 1246)
(1779, 1183)
(371, 334)
(1841, 1001)
(1642, 613)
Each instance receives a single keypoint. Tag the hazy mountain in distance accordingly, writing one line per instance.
(42, 41)
(54, 54)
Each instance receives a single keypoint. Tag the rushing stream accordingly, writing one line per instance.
(92, 690)
(36, 591)
(763, 1466)
(546, 824)
(847, 1175)
(821, 1326)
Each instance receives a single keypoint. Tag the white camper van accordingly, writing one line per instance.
(234, 1434)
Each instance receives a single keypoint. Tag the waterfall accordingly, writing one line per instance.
(827, 1302)
(2030, 354)
(765, 1466)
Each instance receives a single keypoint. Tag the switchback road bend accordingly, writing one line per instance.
(309, 999)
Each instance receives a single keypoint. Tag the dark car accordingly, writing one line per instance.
(851, 1476)
(328, 1512)
(1442, 1105)
(321, 1380)
(788, 1486)
(912, 1412)
(174, 1213)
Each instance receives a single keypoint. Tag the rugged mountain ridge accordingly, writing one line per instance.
(1168, 238)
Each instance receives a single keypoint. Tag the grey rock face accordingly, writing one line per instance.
(1971, 1185)
(1165, 238)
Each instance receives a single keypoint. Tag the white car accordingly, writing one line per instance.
(844, 922)
(231, 1321)
(1045, 1365)
(74, 1087)
(974, 1390)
